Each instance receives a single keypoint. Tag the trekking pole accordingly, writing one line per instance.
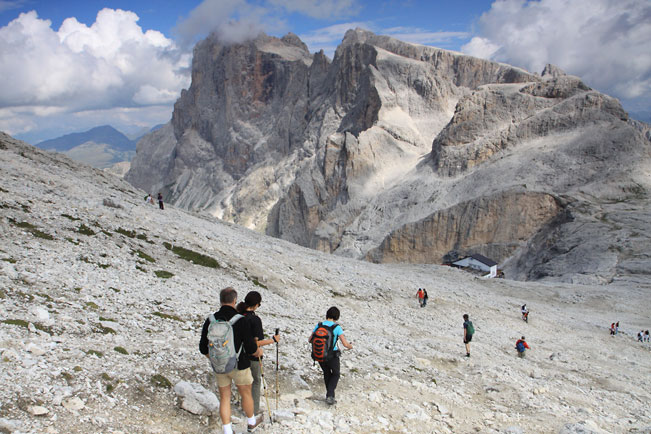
(264, 385)
(277, 391)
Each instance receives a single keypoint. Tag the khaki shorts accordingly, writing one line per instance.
(240, 377)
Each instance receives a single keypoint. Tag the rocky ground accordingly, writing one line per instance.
(103, 296)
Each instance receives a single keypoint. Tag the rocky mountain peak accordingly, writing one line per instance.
(378, 152)
(552, 71)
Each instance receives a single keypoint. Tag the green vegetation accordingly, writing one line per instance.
(121, 350)
(144, 256)
(167, 316)
(77, 369)
(160, 381)
(95, 352)
(192, 256)
(31, 229)
(92, 305)
(105, 330)
(25, 324)
(75, 242)
(125, 232)
(10, 260)
(85, 230)
(69, 217)
(163, 274)
(256, 282)
(138, 267)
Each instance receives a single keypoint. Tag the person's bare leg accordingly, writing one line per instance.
(467, 348)
(247, 399)
(225, 404)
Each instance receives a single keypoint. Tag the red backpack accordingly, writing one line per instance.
(323, 342)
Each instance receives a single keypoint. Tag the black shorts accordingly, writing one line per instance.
(467, 339)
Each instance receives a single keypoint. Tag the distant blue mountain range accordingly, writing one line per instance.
(105, 134)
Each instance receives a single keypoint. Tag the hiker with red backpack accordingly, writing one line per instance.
(521, 346)
(324, 340)
(227, 341)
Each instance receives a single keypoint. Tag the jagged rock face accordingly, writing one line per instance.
(377, 153)
(494, 226)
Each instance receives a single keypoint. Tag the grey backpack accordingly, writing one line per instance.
(221, 344)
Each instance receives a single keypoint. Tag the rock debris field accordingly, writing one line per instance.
(103, 297)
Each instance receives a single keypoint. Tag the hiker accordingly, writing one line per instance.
(425, 297)
(468, 331)
(160, 201)
(616, 327)
(612, 329)
(521, 346)
(245, 346)
(646, 336)
(525, 313)
(148, 198)
(640, 336)
(247, 308)
(421, 296)
(328, 355)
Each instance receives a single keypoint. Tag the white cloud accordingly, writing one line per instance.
(110, 64)
(322, 9)
(605, 42)
(6, 5)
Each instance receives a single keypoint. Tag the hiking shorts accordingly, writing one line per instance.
(241, 377)
(467, 339)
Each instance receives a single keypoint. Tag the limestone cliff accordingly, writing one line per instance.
(400, 152)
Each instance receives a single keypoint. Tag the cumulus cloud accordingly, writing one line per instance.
(232, 20)
(605, 42)
(110, 64)
(328, 38)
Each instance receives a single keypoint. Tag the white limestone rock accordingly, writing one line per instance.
(195, 398)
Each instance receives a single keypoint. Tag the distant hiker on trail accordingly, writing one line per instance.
(468, 331)
(149, 199)
(525, 313)
(325, 350)
(421, 297)
(425, 297)
(646, 336)
(617, 327)
(612, 329)
(521, 346)
(160, 201)
(247, 308)
(228, 343)
(640, 336)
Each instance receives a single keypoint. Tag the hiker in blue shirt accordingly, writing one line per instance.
(328, 357)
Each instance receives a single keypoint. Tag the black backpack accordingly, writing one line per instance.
(323, 343)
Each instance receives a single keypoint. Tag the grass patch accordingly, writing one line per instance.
(144, 256)
(256, 282)
(31, 229)
(121, 350)
(126, 233)
(114, 289)
(95, 352)
(25, 324)
(75, 242)
(69, 217)
(10, 260)
(167, 316)
(77, 369)
(138, 267)
(101, 318)
(192, 256)
(76, 288)
(159, 380)
(92, 305)
(107, 233)
(105, 330)
(85, 230)
(45, 296)
(163, 274)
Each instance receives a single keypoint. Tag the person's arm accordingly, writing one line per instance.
(345, 342)
(465, 330)
(272, 340)
(526, 346)
(203, 342)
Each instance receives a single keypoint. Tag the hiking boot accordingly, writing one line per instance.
(330, 400)
(468, 355)
(258, 421)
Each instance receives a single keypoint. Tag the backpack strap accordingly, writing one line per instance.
(232, 322)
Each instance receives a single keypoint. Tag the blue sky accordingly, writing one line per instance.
(69, 65)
